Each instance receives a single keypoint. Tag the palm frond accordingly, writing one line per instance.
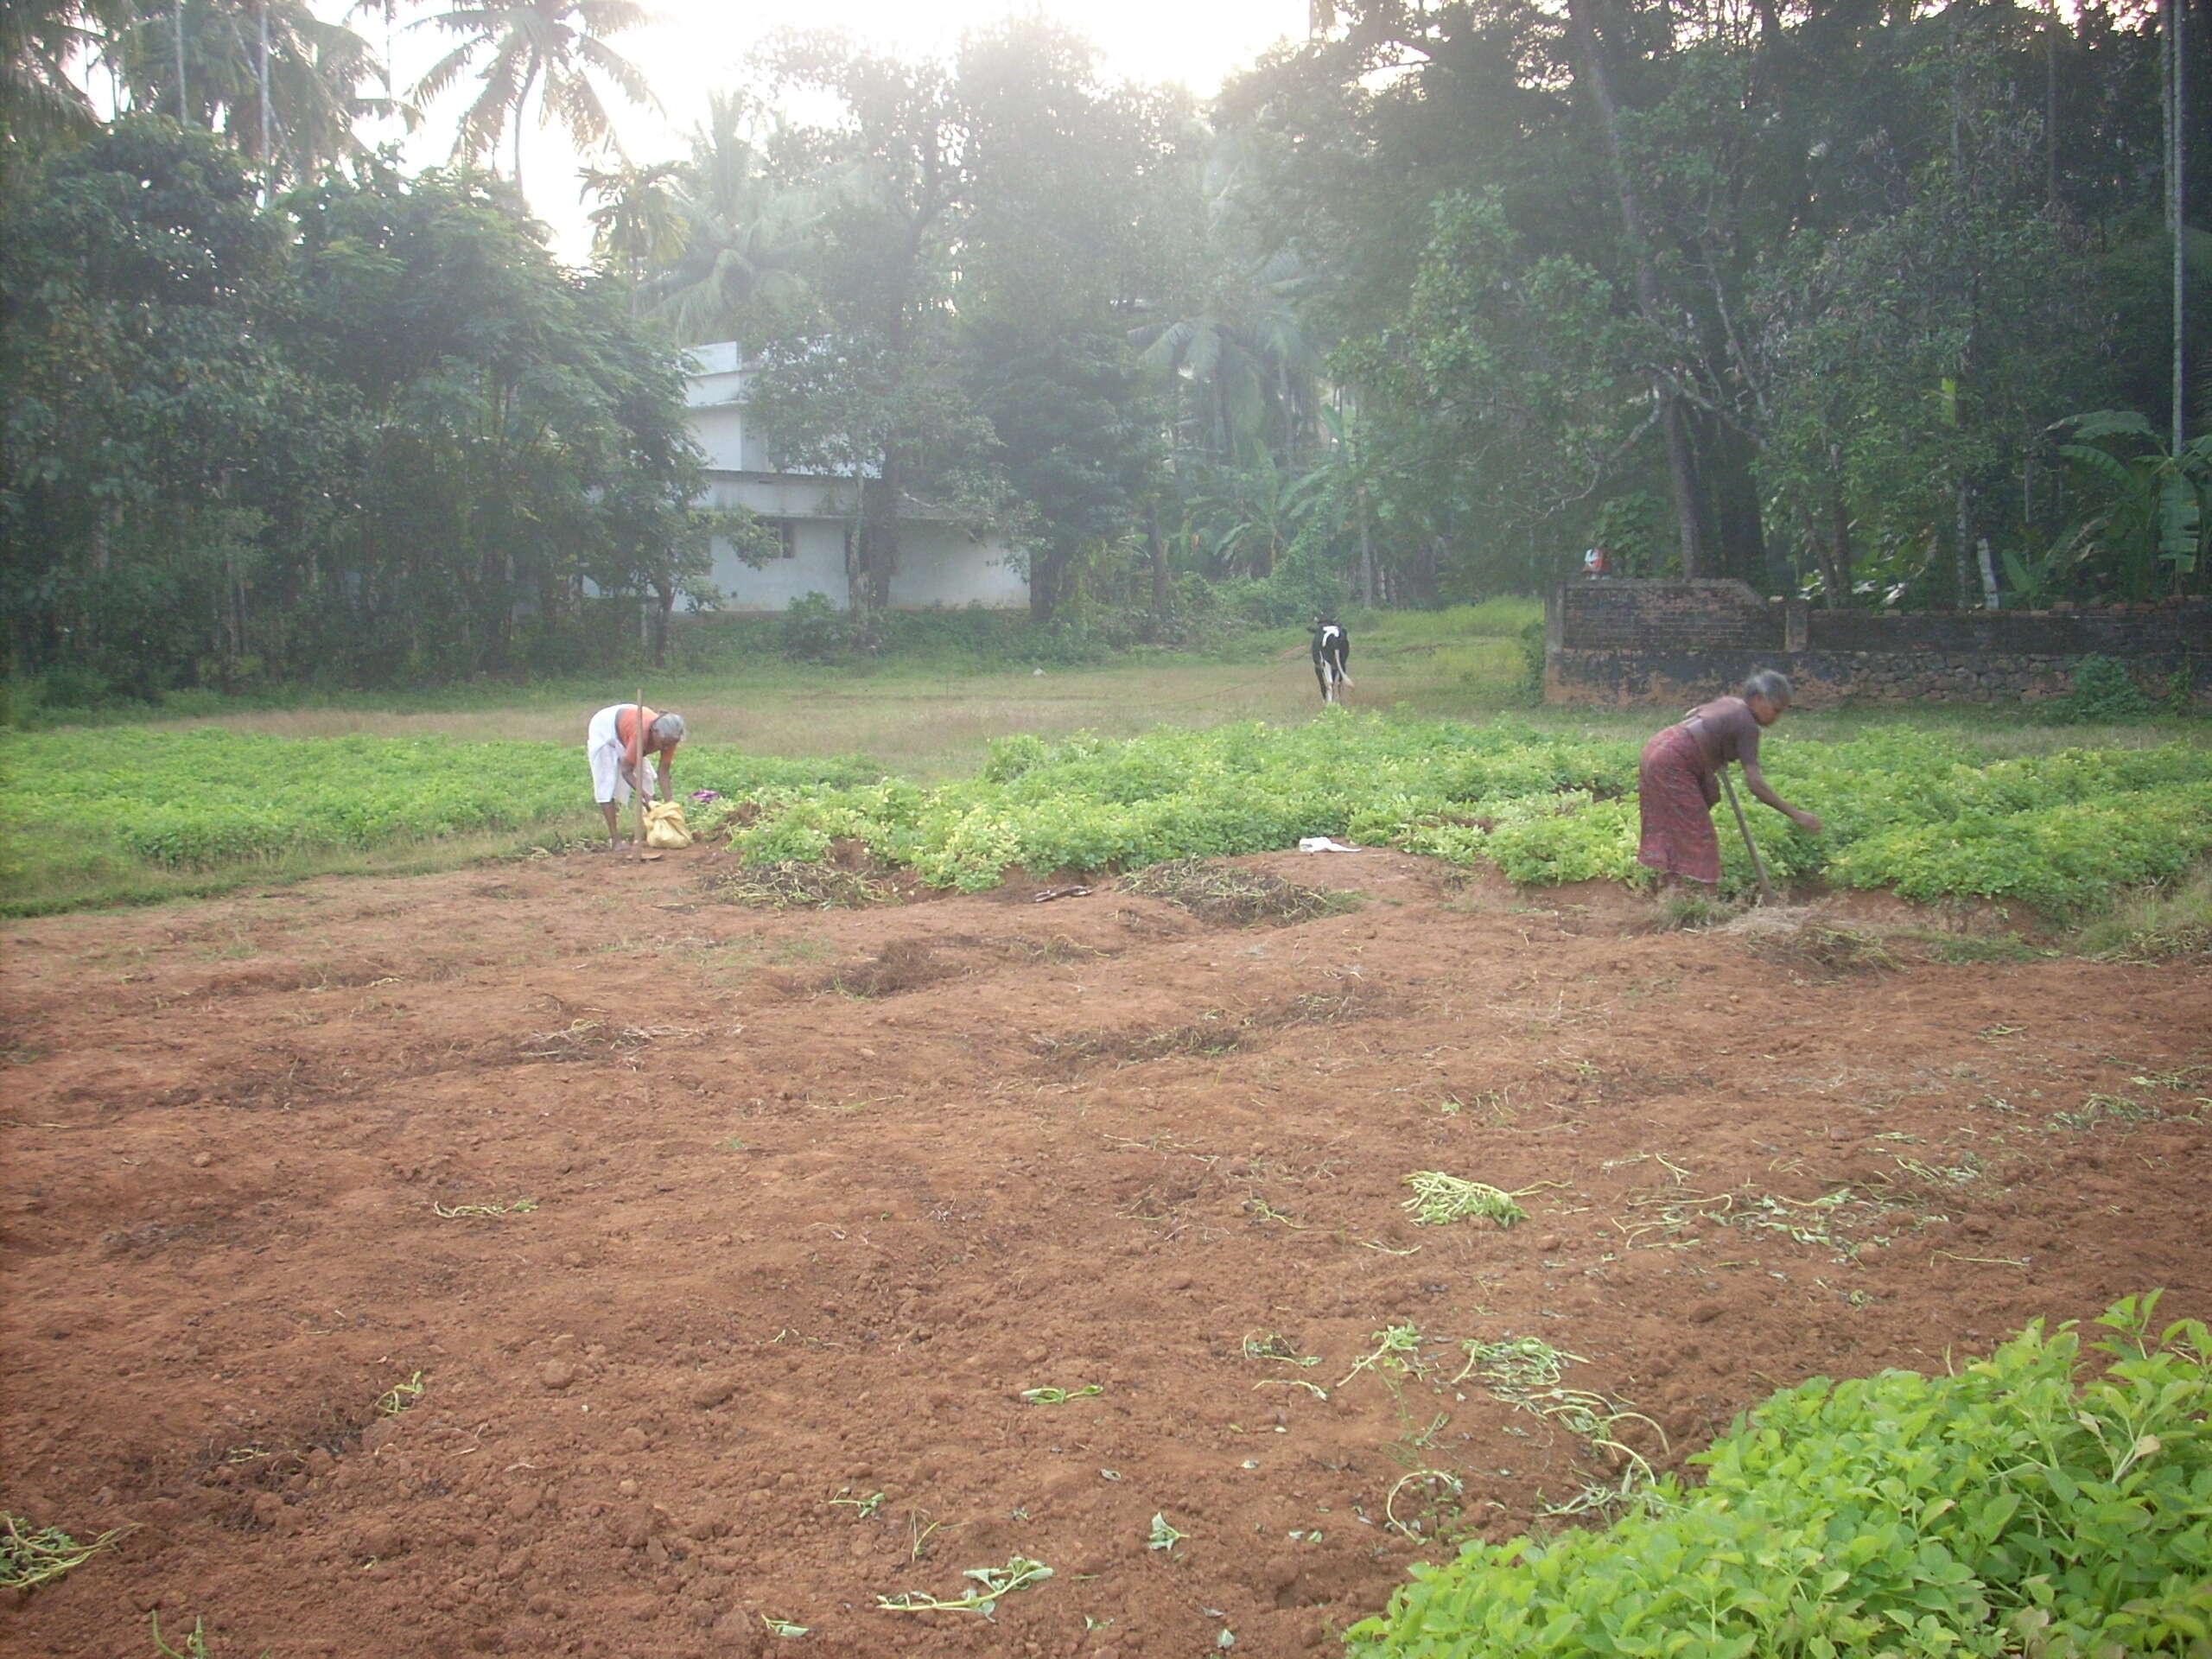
(2109, 423)
(628, 78)
(2103, 462)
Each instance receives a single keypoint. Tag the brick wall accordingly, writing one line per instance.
(1670, 644)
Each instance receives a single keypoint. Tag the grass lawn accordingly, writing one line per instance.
(932, 718)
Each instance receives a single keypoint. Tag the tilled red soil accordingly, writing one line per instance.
(818, 1196)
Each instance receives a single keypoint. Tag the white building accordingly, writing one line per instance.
(940, 563)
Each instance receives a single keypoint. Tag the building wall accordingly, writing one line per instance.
(818, 566)
(943, 564)
(716, 406)
(1674, 642)
(939, 563)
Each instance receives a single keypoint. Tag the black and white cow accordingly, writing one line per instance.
(1331, 651)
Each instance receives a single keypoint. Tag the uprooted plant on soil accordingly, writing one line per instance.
(31, 1555)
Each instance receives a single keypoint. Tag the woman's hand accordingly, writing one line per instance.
(1808, 822)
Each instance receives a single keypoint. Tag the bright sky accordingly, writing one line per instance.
(695, 47)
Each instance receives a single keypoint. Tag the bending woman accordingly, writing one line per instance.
(1678, 781)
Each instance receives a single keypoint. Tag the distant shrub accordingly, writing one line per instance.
(2104, 691)
(73, 688)
(1531, 641)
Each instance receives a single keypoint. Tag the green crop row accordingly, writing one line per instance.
(192, 799)
(1903, 808)
(2010, 1509)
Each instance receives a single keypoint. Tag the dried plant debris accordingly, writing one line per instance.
(1805, 937)
(801, 884)
(1230, 895)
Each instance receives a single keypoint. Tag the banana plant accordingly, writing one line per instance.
(2152, 525)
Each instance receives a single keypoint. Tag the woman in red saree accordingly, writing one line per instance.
(1678, 780)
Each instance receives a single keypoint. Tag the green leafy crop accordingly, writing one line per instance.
(2016, 1507)
(1924, 814)
(204, 798)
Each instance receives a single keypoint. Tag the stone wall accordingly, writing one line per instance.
(1670, 644)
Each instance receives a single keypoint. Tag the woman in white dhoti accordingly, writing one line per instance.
(607, 743)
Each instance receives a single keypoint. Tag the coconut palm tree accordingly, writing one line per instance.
(745, 239)
(42, 44)
(284, 85)
(640, 221)
(1247, 371)
(554, 50)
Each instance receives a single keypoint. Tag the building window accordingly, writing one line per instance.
(787, 530)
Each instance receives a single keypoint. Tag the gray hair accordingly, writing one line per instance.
(669, 728)
(1766, 682)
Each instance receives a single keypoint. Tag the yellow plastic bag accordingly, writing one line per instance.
(664, 825)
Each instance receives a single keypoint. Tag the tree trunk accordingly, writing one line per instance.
(2051, 27)
(1729, 500)
(856, 548)
(879, 539)
(1366, 556)
(522, 102)
(1839, 536)
(1964, 532)
(262, 19)
(663, 614)
(1048, 570)
(1158, 544)
(2177, 103)
(1681, 468)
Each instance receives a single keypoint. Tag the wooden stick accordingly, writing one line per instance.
(1766, 889)
(637, 772)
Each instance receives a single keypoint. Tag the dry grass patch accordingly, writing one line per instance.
(1215, 1031)
(901, 965)
(1229, 895)
(591, 1039)
(1804, 938)
(795, 884)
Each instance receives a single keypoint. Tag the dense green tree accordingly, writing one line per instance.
(1058, 242)
(374, 431)
(1847, 265)
(1079, 444)
(142, 404)
(514, 431)
(861, 384)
